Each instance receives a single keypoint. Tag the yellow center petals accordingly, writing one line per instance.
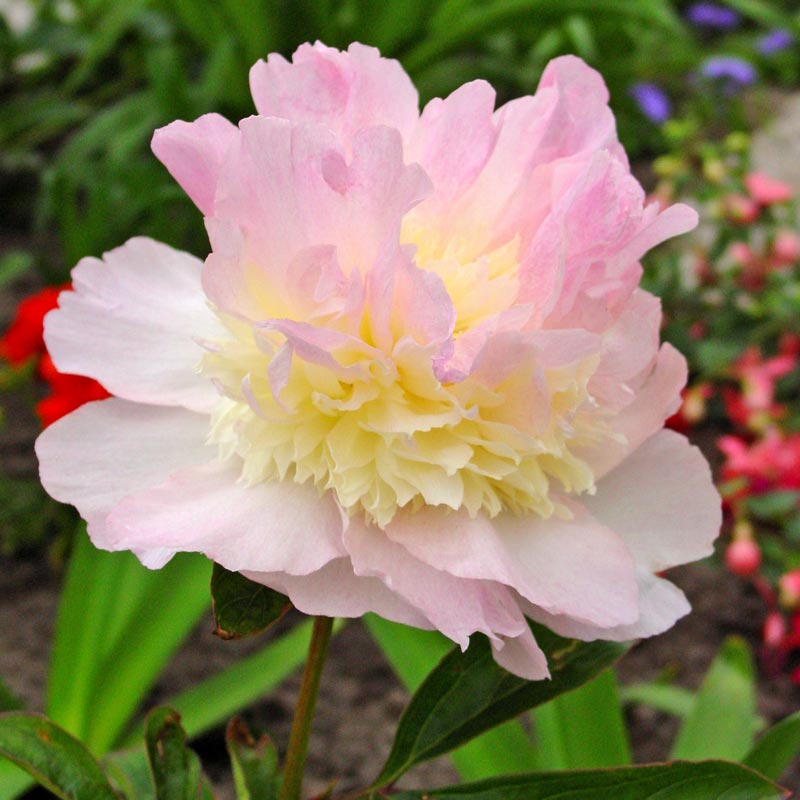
(382, 432)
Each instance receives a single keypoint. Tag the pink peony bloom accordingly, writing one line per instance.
(414, 376)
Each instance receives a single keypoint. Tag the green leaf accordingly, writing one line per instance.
(413, 653)
(584, 728)
(776, 748)
(660, 696)
(255, 763)
(130, 772)
(710, 780)
(15, 264)
(243, 607)
(213, 701)
(722, 722)
(773, 505)
(57, 760)
(176, 768)
(468, 693)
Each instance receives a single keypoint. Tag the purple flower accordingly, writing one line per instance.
(731, 70)
(774, 41)
(712, 15)
(652, 101)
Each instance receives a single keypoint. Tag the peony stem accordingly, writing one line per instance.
(304, 713)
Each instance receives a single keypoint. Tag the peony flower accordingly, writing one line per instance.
(415, 374)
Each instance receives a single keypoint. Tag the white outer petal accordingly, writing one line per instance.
(131, 323)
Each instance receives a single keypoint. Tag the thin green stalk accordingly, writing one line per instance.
(304, 713)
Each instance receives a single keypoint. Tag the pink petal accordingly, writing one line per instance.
(345, 91)
(104, 451)
(656, 400)
(574, 567)
(661, 500)
(193, 153)
(273, 526)
(522, 656)
(131, 323)
(335, 590)
(661, 605)
(457, 607)
(454, 138)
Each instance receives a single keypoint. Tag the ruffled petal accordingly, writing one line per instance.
(131, 323)
(457, 607)
(661, 605)
(193, 152)
(345, 91)
(661, 500)
(269, 527)
(107, 450)
(575, 567)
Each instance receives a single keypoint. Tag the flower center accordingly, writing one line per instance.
(319, 401)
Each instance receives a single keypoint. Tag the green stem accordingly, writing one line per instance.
(304, 713)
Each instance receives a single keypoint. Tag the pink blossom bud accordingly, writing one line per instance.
(765, 190)
(740, 208)
(789, 589)
(786, 248)
(741, 253)
(743, 557)
(774, 630)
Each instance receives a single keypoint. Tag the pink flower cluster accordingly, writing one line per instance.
(415, 374)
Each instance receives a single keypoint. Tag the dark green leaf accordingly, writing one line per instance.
(176, 768)
(57, 760)
(776, 748)
(468, 693)
(709, 780)
(722, 721)
(255, 763)
(243, 607)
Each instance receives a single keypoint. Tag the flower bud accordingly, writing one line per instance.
(743, 557)
(774, 630)
(789, 589)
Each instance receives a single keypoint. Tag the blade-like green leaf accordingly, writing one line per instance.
(130, 772)
(213, 701)
(723, 720)
(584, 728)
(660, 696)
(57, 760)
(413, 653)
(243, 607)
(468, 693)
(176, 768)
(709, 780)
(776, 748)
(161, 621)
(255, 763)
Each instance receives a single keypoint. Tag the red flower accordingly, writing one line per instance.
(24, 340)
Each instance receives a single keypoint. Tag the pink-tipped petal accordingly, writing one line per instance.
(193, 152)
(522, 656)
(661, 500)
(274, 526)
(131, 323)
(345, 91)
